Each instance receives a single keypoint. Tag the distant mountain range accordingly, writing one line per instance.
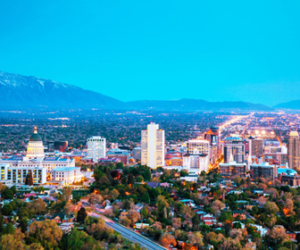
(196, 105)
(17, 91)
(289, 105)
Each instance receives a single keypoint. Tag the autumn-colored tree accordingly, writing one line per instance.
(250, 246)
(271, 220)
(95, 198)
(167, 239)
(67, 193)
(109, 213)
(237, 179)
(38, 206)
(236, 234)
(262, 186)
(114, 194)
(277, 235)
(273, 192)
(271, 207)
(217, 205)
(47, 232)
(196, 238)
(161, 201)
(288, 208)
(8, 241)
(124, 221)
(210, 237)
(35, 246)
(176, 222)
(134, 216)
(156, 225)
(2, 187)
(262, 200)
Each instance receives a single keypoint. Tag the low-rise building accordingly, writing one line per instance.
(263, 170)
(67, 175)
(232, 168)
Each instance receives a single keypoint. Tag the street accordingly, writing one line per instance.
(129, 234)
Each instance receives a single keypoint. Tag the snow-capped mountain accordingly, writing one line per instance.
(17, 91)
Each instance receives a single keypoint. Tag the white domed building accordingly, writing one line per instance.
(35, 148)
(57, 169)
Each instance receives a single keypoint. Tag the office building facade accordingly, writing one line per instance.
(153, 146)
(293, 150)
(234, 150)
(96, 148)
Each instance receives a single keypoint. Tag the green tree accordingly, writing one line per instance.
(130, 180)
(139, 178)
(13, 189)
(9, 229)
(196, 221)
(119, 165)
(76, 239)
(7, 209)
(23, 224)
(7, 193)
(1, 223)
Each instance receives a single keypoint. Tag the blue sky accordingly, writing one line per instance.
(159, 50)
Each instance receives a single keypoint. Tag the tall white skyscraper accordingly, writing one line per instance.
(96, 147)
(153, 146)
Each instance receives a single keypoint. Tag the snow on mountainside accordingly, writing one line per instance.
(17, 91)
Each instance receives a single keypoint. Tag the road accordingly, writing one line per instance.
(130, 234)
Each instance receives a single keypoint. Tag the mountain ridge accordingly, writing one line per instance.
(289, 105)
(18, 91)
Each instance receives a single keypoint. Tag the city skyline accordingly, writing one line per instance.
(248, 52)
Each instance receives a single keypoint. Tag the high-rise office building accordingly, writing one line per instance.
(257, 147)
(234, 150)
(96, 147)
(153, 146)
(293, 150)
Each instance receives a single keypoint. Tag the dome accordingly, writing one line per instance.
(35, 136)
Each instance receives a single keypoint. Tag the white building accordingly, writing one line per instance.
(17, 175)
(15, 168)
(153, 146)
(35, 147)
(195, 163)
(96, 148)
(202, 146)
(67, 175)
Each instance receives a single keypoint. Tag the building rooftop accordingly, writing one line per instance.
(233, 138)
(286, 171)
(65, 169)
(294, 133)
(233, 163)
(35, 136)
(262, 165)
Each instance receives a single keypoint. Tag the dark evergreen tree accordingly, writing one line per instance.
(7, 193)
(130, 180)
(29, 179)
(81, 215)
